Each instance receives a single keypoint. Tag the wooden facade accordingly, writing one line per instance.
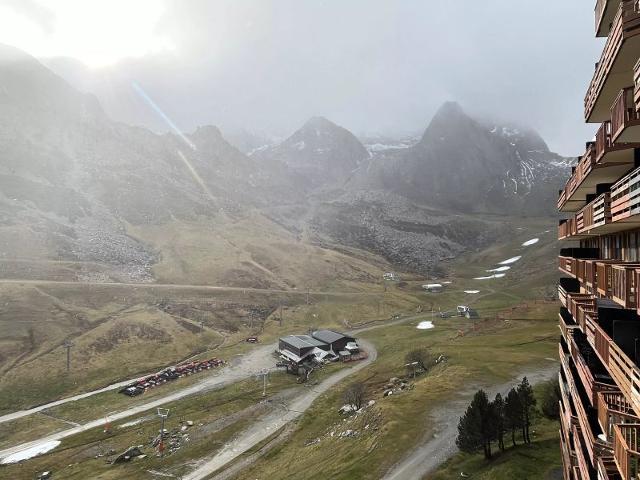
(599, 289)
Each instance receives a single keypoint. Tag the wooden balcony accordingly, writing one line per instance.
(614, 408)
(605, 12)
(607, 469)
(567, 325)
(612, 147)
(592, 373)
(589, 219)
(591, 276)
(624, 288)
(614, 70)
(568, 266)
(580, 305)
(604, 279)
(625, 448)
(582, 454)
(574, 191)
(623, 370)
(567, 228)
(625, 120)
(625, 200)
(602, 164)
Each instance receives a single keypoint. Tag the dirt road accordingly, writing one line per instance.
(240, 368)
(174, 286)
(441, 442)
(265, 427)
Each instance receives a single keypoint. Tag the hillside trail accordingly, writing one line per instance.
(180, 286)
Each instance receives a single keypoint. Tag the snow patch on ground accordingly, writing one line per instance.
(132, 423)
(30, 452)
(496, 275)
(426, 325)
(511, 260)
(500, 269)
(472, 291)
(533, 241)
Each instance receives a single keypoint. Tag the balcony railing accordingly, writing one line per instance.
(624, 288)
(592, 373)
(623, 370)
(624, 115)
(625, 448)
(568, 265)
(625, 26)
(625, 197)
(567, 325)
(606, 469)
(579, 173)
(614, 408)
(590, 276)
(583, 462)
(593, 215)
(567, 228)
(580, 305)
(604, 279)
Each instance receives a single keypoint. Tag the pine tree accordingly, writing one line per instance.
(528, 403)
(513, 413)
(476, 428)
(498, 405)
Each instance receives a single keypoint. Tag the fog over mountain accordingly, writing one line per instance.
(268, 66)
(78, 179)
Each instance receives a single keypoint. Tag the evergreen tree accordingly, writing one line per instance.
(498, 405)
(476, 428)
(528, 403)
(513, 413)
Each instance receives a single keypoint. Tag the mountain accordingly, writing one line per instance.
(320, 153)
(81, 187)
(467, 165)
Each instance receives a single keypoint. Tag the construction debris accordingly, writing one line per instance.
(128, 454)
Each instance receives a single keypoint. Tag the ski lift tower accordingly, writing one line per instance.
(163, 413)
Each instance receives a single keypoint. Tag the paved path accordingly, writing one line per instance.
(267, 426)
(243, 367)
(441, 443)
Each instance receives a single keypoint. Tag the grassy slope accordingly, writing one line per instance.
(120, 332)
(493, 351)
(496, 349)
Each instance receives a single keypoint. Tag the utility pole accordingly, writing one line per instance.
(264, 374)
(163, 413)
(68, 344)
(281, 319)
(307, 295)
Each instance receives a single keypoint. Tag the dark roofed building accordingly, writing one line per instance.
(298, 347)
(337, 341)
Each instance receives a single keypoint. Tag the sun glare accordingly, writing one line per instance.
(97, 33)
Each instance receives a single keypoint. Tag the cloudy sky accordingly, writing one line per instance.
(373, 66)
